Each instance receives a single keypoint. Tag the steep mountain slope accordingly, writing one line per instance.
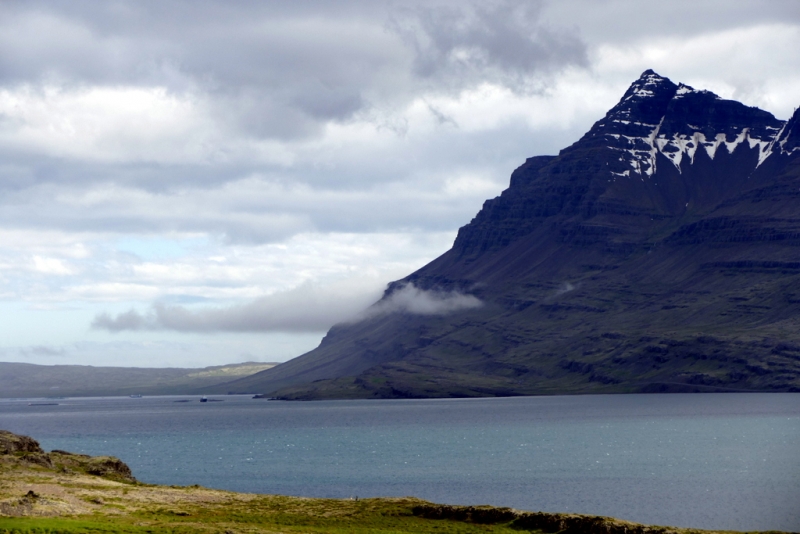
(660, 252)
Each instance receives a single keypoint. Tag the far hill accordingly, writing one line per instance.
(29, 380)
(660, 252)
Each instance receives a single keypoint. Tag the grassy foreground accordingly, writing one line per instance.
(62, 492)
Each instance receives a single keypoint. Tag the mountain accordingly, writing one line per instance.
(660, 252)
(29, 380)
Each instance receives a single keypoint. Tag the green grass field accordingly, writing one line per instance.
(263, 514)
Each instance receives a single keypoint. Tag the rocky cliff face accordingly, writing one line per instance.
(660, 252)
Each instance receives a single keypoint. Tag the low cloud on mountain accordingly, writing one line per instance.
(308, 308)
(416, 301)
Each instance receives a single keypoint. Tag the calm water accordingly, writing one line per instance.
(726, 461)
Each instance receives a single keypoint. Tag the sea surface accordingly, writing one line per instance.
(716, 461)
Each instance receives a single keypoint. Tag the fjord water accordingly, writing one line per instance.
(723, 461)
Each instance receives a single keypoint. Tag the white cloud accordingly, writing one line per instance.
(124, 124)
(51, 266)
(410, 299)
(100, 268)
(101, 123)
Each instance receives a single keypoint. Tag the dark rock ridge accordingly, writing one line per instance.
(660, 252)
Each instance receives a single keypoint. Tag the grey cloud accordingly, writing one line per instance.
(268, 70)
(276, 71)
(42, 351)
(273, 65)
(268, 219)
(503, 40)
(281, 68)
(358, 192)
(129, 320)
(442, 118)
(307, 308)
(627, 21)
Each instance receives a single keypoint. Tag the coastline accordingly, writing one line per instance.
(64, 492)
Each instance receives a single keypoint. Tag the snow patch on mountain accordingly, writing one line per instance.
(779, 142)
(656, 116)
(640, 142)
(638, 151)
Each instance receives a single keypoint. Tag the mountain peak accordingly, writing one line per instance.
(650, 76)
(656, 117)
(649, 84)
(648, 93)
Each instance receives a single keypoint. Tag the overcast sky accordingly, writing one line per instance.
(192, 183)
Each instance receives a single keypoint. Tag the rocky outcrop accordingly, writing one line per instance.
(15, 448)
(102, 466)
(11, 443)
(23, 448)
